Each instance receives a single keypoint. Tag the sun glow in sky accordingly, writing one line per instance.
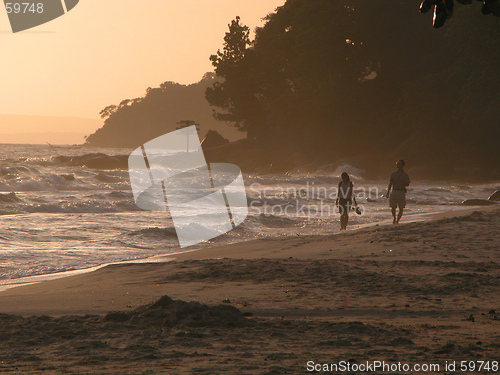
(104, 51)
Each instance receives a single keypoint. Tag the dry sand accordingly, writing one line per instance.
(424, 292)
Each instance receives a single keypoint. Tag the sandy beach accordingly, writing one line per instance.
(265, 187)
(417, 293)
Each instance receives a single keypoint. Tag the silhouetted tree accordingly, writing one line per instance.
(235, 94)
(357, 78)
(108, 111)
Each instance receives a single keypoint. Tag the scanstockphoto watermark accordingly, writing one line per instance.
(205, 200)
(392, 367)
(27, 14)
(308, 200)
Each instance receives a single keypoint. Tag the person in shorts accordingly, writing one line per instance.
(345, 198)
(399, 182)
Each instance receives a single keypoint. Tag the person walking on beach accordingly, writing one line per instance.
(399, 182)
(344, 200)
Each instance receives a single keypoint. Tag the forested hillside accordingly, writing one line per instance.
(344, 81)
(135, 121)
(367, 82)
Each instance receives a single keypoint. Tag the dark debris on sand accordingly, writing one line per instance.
(176, 337)
(170, 313)
(167, 330)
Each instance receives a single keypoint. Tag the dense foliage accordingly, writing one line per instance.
(136, 121)
(335, 81)
(367, 81)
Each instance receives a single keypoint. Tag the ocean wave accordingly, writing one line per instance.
(103, 177)
(437, 190)
(430, 202)
(259, 202)
(120, 195)
(90, 206)
(10, 198)
(19, 171)
(41, 182)
(100, 207)
(273, 221)
(335, 170)
(93, 161)
(154, 232)
(111, 196)
(68, 177)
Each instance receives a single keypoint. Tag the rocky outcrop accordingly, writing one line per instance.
(213, 139)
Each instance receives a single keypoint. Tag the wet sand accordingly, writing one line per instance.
(426, 292)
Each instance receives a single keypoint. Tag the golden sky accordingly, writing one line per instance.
(104, 51)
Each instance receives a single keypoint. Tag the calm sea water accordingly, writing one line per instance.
(57, 215)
